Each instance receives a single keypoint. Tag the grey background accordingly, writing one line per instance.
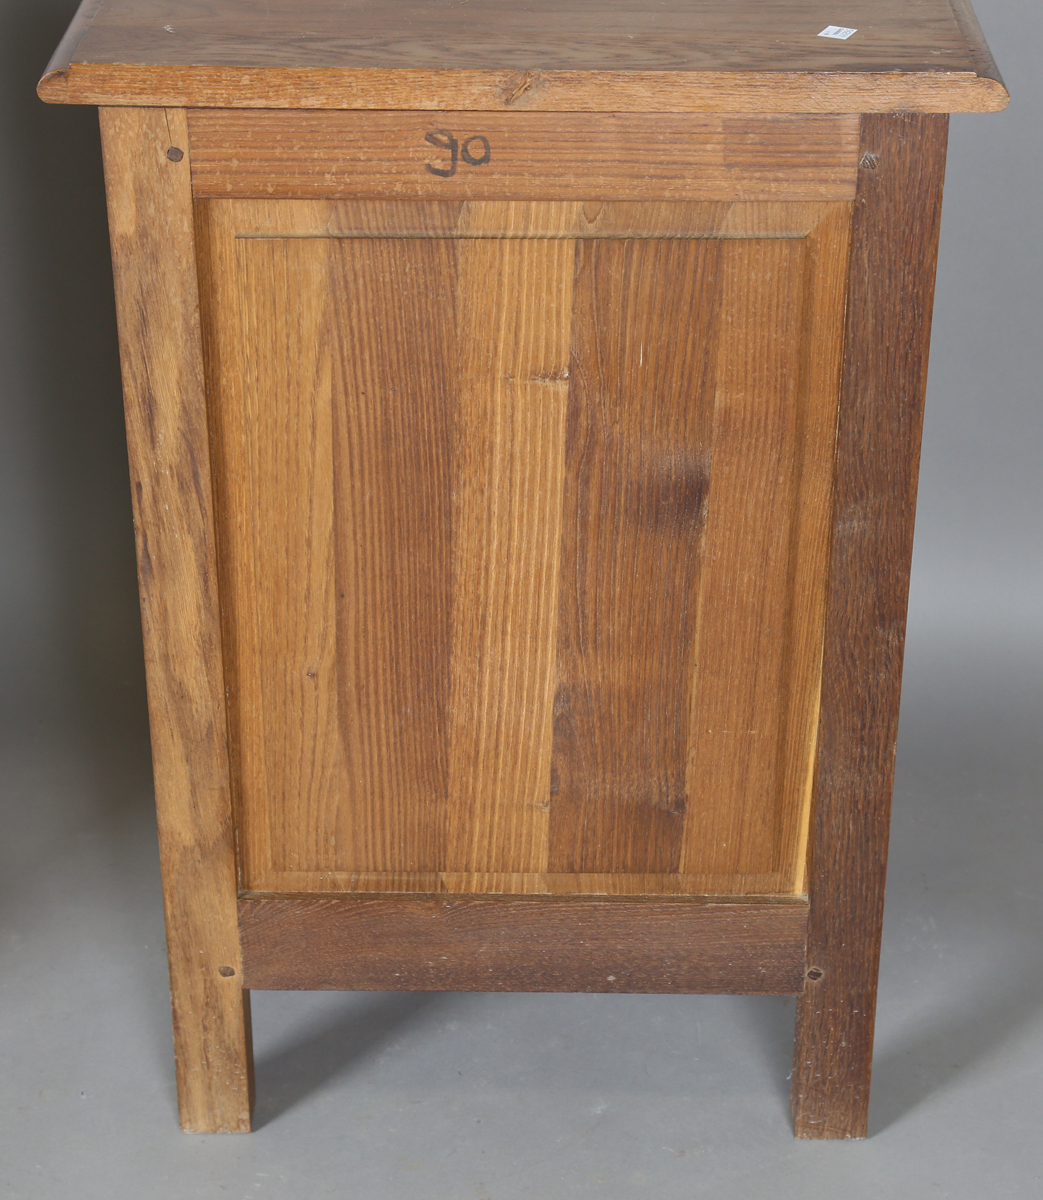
(496, 1097)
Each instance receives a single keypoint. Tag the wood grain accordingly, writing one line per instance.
(537, 944)
(281, 502)
(396, 358)
(508, 219)
(981, 55)
(894, 247)
(539, 90)
(637, 449)
(66, 49)
(514, 305)
(532, 883)
(751, 56)
(531, 156)
(580, 35)
(154, 267)
(429, 558)
(740, 700)
(822, 348)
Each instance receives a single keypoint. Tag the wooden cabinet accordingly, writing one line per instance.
(524, 455)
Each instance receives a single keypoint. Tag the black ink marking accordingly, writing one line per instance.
(444, 140)
(476, 160)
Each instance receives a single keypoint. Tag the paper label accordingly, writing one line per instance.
(837, 31)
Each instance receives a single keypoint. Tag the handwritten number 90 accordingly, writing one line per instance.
(475, 151)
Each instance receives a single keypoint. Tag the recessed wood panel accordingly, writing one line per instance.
(523, 520)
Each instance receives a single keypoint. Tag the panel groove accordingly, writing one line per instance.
(492, 235)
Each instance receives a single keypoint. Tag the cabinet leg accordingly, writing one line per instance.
(832, 1060)
(894, 243)
(213, 1052)
(151, 219)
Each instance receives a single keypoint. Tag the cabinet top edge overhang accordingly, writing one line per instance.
(549, 55)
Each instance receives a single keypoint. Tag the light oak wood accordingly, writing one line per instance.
(775, 35)
(583, 35)
(891, 290)
(154, 267)
(506, 219)
(513, 318)
(483, 883)
(737, 730)
(704, 56)
(537, 944)
(471, 506)
(526, 156)
(542, 91)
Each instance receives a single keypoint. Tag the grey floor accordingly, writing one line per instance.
(471, 1097)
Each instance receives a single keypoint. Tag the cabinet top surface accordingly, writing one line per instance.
(185, 51)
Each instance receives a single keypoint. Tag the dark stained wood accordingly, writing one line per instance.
(157, 303)
(637, 468)
(526, 156)
(894, 247)
(706, 55)
(535, 944)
